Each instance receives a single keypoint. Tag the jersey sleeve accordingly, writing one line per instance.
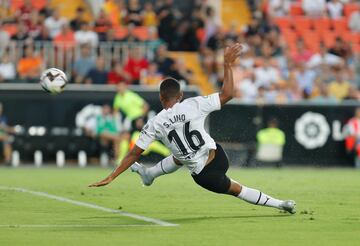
(147, 135)
(209, 103)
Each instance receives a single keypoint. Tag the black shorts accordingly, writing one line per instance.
(213, 176)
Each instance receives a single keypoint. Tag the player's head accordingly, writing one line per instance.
(273, 123)
(170, 91)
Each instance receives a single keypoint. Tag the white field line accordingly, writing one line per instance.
(89, 205)
(69, 226)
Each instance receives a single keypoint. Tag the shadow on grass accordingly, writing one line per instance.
(208, 218)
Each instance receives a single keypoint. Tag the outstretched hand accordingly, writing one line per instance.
(102, 182)
(232, 53)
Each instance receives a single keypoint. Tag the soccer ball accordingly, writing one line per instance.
(53, 80)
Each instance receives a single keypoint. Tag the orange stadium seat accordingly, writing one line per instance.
(312, 40)
(10, 28)
(38, 4)
(302, 24)
(322, 24)
(350, 8)
(296, 9)
(351, 37)
(141, 33)
(328, 38)
(283, 22)
(340, 25)
(120, 32)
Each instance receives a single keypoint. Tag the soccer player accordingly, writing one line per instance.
(180, 126)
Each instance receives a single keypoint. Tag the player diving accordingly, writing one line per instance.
(180, 126)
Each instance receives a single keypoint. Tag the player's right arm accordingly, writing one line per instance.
(230, 55)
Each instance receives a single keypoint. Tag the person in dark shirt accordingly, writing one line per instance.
(134, 15)
(97, 75)
(163, 61)
(75, 23)
(22, 32)
(46, 10)
(167, 22)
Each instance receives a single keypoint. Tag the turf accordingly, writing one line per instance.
(328, 209)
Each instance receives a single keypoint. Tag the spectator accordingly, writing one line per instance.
(135, 64)
(167, 22)
(98, 74)
(151, 75)
(130, 37)
(149, 15)
(134, 13)
(324, 58)
(5, 138)
(341, 49)
(102, 25)
(30, 66)
(108, 129)
(314, 8)
(86, 35)
(44, 35)
(75, 23)
(47, 10)
(23, 13)
(83, 64)
(163, 61)
(335, 9)
(181, 73)
(323, 96)
(247, 89)
(216, 41)
(54, 23)
(114, 9)
(22, 33)
(34, 25)
(305, 78)
(153, 42)
(66, 38)
(118, 75)
(278, 8)
(301, 54)
(7, 69)
(266, 74)
(339, 88)
(4, 39)
(354, 22)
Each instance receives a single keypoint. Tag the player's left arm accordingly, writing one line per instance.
(129, 159)
(230, 55)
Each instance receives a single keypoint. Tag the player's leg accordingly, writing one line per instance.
(213, 177)
(165, 166)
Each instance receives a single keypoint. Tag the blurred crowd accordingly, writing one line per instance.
(159, 27)
(272, 71)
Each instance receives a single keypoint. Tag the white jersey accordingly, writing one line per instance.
(181, 129)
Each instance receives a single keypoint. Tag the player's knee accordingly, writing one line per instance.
(235, 188)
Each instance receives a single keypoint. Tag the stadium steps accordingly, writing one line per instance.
(235, 11)
(193, 63)
(68, 8)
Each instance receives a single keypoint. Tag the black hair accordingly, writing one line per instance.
(169, 88)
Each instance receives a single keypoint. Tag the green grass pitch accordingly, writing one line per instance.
(328, 209)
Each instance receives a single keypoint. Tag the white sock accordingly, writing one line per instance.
(258, 198)
(165, 166)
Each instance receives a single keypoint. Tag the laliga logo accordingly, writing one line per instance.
(312, 130)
